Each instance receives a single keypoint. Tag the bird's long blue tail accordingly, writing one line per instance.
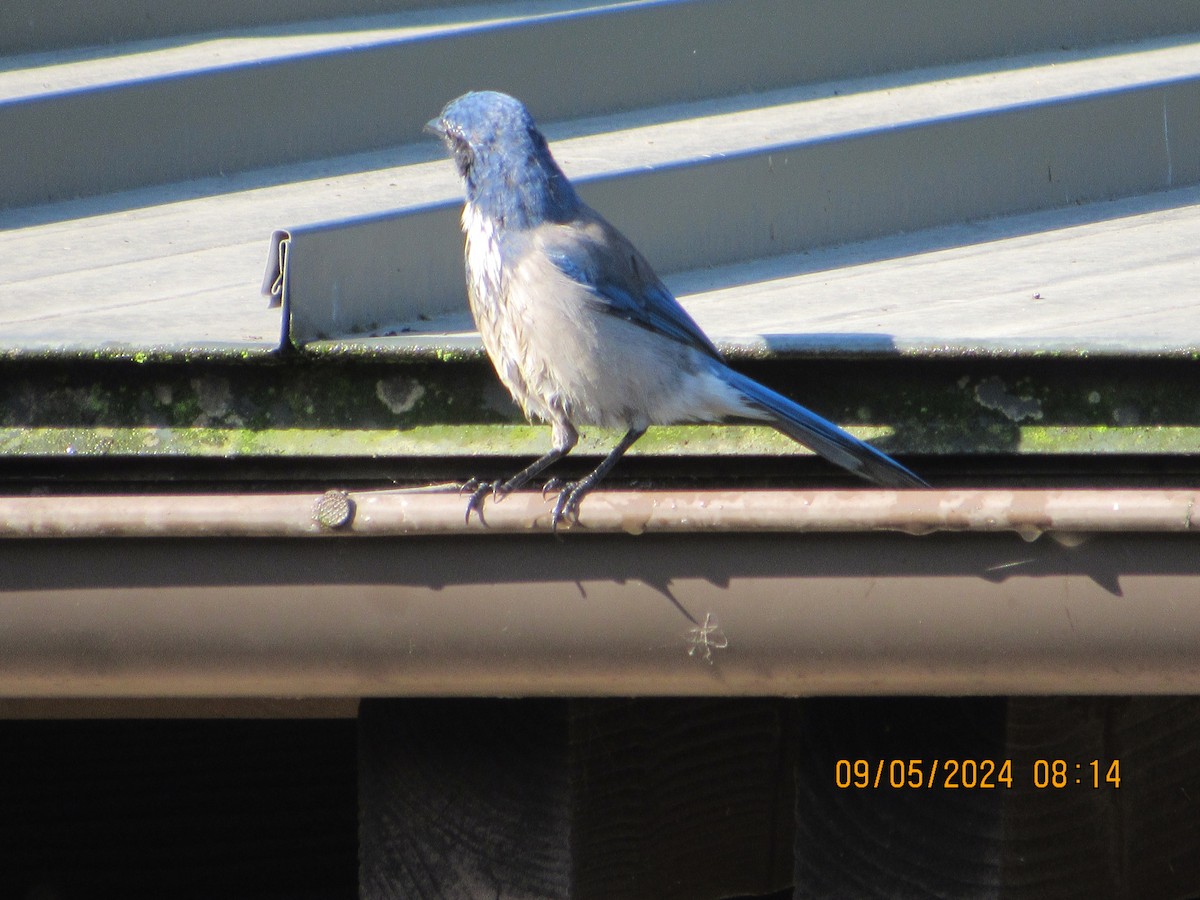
(823, 437)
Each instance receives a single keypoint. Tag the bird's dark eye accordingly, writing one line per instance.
(464, 158)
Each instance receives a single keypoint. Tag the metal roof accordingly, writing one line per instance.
(143, 180)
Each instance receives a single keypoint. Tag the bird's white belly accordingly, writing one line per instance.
(501, 329)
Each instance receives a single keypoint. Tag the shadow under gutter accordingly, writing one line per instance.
(652, 593)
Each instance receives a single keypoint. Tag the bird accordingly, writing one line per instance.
(577, 325)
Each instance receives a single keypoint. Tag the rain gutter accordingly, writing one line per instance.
(719, 593)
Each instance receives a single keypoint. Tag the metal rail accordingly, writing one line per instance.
(440, 510)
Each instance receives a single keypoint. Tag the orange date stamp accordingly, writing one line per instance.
(976, 774)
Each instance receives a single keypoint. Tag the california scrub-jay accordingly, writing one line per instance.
(580, 329)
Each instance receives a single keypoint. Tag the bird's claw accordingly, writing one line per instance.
(566, 508)
(479, 491)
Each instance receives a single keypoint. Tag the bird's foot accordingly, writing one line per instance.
(479, 490)
(566, 508)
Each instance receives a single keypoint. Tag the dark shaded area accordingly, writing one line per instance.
(36, 564)
(931, 837)
(1021, 797)
(590, 798)
(464, 798)
(180, 809)
(695, 798)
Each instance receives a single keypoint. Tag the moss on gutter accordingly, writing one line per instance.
(334, 405)
(521, 440)
(217, 354)
(433, 440)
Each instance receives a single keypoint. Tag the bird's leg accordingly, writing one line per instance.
(500, 489)
(567, 506)
(565, 438)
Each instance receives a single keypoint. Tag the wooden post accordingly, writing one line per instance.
(682, 798)
(464, 799)
(857, 835)
(1084, 797)
(655, 798)
(705, 798)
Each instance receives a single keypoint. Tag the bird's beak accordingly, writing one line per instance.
(435, 127)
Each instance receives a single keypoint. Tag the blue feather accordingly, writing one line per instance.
(822, 436)
(652, 306)
(504, 161)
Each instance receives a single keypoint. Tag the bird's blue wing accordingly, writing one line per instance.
(622, 284)
(654, 307)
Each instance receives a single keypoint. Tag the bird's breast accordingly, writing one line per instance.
(502, 326)
(485, 266)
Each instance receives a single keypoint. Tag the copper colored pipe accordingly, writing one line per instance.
(441, 511)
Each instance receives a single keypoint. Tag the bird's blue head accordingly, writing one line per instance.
(504, 160)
